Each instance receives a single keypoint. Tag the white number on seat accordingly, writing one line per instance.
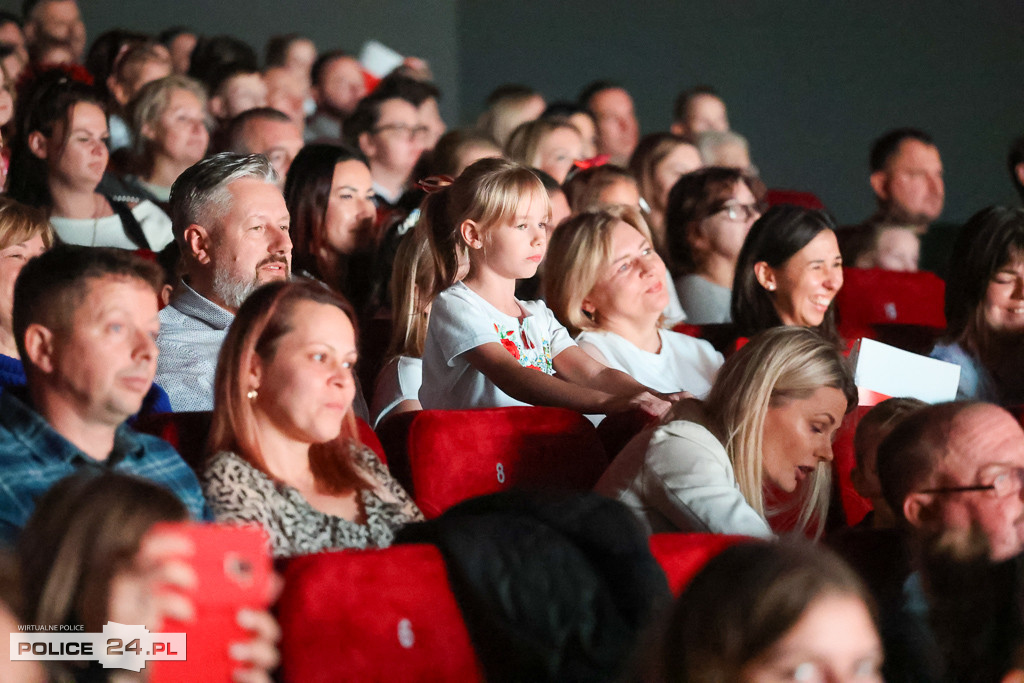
(501, 473)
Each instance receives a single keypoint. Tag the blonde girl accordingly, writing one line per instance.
(485, 348)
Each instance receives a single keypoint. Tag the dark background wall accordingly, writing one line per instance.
(810, 83)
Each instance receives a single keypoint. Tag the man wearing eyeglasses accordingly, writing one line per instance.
(956, 466)
(388, 131)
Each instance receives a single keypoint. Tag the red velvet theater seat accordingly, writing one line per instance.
(844, 459)
(363, 616)
(900, 309)
(806, 200)
(681, 556)
(454, 455)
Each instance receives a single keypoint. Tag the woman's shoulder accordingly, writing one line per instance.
(231, 468)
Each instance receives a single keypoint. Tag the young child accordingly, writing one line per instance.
(871, 431)
(484, 347)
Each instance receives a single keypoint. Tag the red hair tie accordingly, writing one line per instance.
(593, 162)
(434, 183)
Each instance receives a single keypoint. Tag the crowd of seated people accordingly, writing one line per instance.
(186, 238)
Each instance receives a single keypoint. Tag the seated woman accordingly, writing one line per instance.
(788, 273)
(761, 612)
(93, 557)
(985, 307)
(766, 425)
(552, 145)
(606, 284)
(286, 445)
(329, 193)
(24, 234)
(57, 161)
(708, 215)
(169, 123)
(658, 161)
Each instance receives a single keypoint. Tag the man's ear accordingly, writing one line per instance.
(471, 234)
(765, 275)
(1019, 172)
(216, 106)
(879, 180)
(39, 342)
(37, 144)
(366, 145)
(198, 241)
(697, 238)
(916, 508)
(677, 128)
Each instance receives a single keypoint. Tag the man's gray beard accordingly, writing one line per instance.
(233, 292)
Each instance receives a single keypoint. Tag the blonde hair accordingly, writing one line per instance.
(412, 280)
(20, 223)
(777, 365)
(578, 253)
(525, 140)
(153, 99)
(488, 192)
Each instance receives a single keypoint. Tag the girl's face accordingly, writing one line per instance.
(180, 131)
(6, 101)
(1004, 298)
(834, 641)
(632, 285)
(681, 160)
(82, 159)
(797, 436)
(557, 151)
(348, 223)
(307, 387)
(803, 287)
(723, 232)
(514, 249)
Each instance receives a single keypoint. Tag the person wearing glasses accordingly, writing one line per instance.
(387, 130)
(708, 214)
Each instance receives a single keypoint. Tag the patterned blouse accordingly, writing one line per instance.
(238, 492)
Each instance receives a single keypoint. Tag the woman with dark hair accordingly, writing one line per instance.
(329, 193)
(708, 214)
(286, 447)
(762, 612)
(788, 273)
(985, 307)
(658, 161)
(58, 159)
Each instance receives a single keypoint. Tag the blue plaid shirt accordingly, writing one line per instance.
(33, 457)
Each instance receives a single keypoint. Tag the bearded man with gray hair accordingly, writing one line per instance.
(231, 224)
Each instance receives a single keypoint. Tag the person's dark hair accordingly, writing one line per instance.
(85, 529)
(989, 240)
(882, 418)
(276, 51)
(213, 56)
(445, 159)
(583, 187)
(365, 117)
(233, 141)
(912, 451)
(550, 184)
(407, 88)
(743, 601)
(51, 286)
(1014, 159)
(774, 238)
(686, 97)
(167, 36)
(10, 18)
(563, 110)
(694, 197)
(591, 89)
(885, 147)
(509, 91)
(307, 190)
(105, 52)
(45, 102)
(218, 77)
(316, 73)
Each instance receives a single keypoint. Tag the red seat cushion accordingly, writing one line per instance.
(458, 454)
(681, 556)
(373, 615)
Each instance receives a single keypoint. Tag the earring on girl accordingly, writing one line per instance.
(252, 394)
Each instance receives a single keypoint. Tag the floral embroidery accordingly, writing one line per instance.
(524, 349)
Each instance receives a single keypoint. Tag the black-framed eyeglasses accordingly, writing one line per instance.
(410, 132)
(1007, 483)
(742, 212)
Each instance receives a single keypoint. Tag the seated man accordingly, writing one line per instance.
(85, 320)
(231, 224)
(269, 132)
(618, 131)
(697, 111)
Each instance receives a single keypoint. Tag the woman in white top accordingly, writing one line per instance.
(759, 445)
(606, 283)
(58, 159)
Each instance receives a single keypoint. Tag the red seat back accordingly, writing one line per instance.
(901, 309)
(616, 430)
(187, 432)
(459, 454)
(844, 459)
(368, 437)
(373, 615)
(681, 556)
(806, 200)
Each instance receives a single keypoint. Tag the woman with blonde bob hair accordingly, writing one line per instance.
(606, 283)
(285, 439)
(766, 426)
(552, 145)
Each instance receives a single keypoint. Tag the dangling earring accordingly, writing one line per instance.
(252, 394)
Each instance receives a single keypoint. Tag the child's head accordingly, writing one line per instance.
(871, 431)
(489, 193)
(891, 247)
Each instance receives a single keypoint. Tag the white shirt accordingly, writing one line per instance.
(399, 380)
(109, 232)
(461, 320)
(683, 363)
